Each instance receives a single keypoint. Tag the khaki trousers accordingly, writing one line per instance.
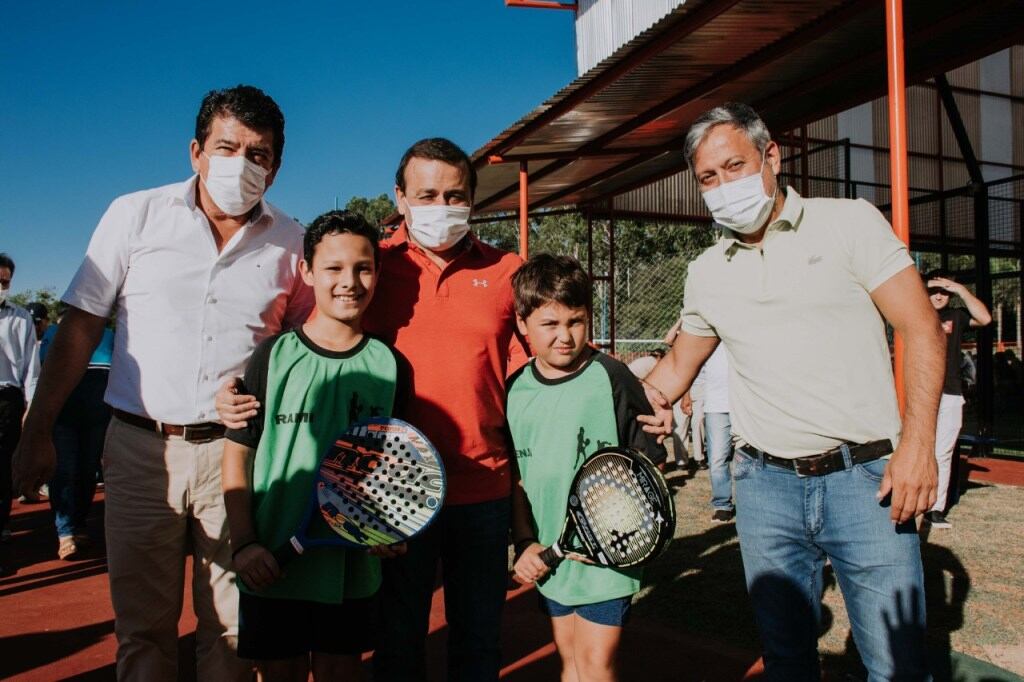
(163, 499)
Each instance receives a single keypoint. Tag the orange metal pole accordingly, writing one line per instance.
(524, 211)
(897, 153)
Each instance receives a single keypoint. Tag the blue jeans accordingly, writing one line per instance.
(471, 541)
(788, 525)
(718, 433)
(78, 439)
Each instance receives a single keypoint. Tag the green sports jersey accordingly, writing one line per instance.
(308, 396)
(555, 425)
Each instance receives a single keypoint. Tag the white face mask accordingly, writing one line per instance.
(438, 228)
(235, 183)
(741, 205)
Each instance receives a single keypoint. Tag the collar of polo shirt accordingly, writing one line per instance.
(792, 212)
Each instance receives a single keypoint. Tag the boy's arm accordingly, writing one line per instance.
(528, 566)
(252, 561)
(629, 401)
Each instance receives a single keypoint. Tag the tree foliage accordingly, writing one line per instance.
(374, 209)
(47, 296)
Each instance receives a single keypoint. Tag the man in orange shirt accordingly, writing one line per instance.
(444, 300)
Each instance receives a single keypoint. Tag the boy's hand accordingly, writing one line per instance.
(232, 408)
(257, 567)
(660, 422)
(388, 551)
(529, 567)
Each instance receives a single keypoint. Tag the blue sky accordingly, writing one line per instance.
(99, 98)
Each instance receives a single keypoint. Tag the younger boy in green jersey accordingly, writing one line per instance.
(310, 382)
(569, 401)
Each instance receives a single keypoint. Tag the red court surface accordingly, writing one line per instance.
(56, 622)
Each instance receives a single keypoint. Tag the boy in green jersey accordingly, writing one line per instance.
(310, 382)
(569, 401)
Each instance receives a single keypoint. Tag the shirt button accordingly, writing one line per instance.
(211, 299)
(209, 338)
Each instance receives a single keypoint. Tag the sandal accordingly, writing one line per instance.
(67, 547)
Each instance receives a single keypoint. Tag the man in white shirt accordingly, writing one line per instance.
(198, 274)
(718, 432)
(19, 369)
(798, 291)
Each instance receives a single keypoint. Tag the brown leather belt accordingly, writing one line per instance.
(826, 462)
(193, 433)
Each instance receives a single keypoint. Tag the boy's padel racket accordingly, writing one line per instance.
(380, 483)
(620, 511)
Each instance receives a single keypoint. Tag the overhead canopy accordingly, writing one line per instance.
(621, 125)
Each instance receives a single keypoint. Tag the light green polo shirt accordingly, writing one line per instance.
(809, 365)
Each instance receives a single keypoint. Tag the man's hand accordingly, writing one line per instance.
(686, 404)
(388, 551)
(234, 409)
(949, 285)
(911, 478)
(660, 422)
(256, 566)
(529, 567)
(34, 461)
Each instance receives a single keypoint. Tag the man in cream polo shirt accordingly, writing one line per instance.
(198, 274)
(798, 290)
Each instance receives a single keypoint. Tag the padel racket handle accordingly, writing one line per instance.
(286, 552)
(551, 557)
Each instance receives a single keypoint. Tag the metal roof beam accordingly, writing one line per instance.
(956, 122)
(687, 24)
(763, 57)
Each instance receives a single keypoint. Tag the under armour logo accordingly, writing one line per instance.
(814, 259)
(480, 283)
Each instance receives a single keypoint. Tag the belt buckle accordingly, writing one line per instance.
(191, 434)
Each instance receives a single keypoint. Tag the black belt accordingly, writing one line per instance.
(193, 433)
(825, 462)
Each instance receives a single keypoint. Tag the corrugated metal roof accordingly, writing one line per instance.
(619, 126)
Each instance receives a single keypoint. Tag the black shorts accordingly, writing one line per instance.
(270, 629)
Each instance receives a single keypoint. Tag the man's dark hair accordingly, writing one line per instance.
(437, 149)
(7, 262)
(250, 105)
(547, 278)
(339, 222)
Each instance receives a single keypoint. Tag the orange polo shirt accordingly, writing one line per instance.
(456, 326)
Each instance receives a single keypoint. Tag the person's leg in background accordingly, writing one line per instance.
(947, 430)
(63, 500)
(95, 419)
(718, 431)
(474, 556)
(697, 429)
(12, 409)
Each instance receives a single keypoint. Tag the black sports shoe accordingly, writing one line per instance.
(702, 465)
(937, 519)
(723, 516)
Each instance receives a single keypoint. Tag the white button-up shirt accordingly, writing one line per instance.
(187, 316)
(19, 357)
